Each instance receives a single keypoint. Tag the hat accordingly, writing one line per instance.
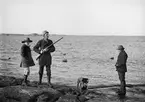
(45, 31)
(27, 40)
(120, 47)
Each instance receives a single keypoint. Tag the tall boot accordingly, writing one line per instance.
(49, 80)
(40, 79)
(25, 83)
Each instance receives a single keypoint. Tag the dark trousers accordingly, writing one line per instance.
(122, 82)
(48, 70)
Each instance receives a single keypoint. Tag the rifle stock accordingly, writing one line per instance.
(48, 47)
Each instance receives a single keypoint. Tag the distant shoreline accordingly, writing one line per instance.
(7, 34)
(35, 34)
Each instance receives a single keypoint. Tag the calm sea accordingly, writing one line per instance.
(87, 56)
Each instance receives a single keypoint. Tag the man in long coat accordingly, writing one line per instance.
(45, 59)
(121, 68)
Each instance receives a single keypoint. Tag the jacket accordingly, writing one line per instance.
(121, 62)
(26, 57)
(46, 58)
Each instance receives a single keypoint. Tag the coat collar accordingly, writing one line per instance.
(45, 40)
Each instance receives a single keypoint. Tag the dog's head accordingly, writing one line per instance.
(85, 80)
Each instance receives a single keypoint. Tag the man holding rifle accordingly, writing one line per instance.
(44, 47)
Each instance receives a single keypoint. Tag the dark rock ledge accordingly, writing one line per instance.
(11, 90)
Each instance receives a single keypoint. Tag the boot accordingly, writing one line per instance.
(123, 89)
(49, 81)
(40, 79)
(25, 83)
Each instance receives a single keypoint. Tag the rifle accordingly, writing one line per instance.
(48, 47)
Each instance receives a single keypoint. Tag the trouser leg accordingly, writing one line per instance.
(41, 68)
(48, 70)
(122, 82)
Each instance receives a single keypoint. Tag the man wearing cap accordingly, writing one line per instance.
(121, 68)
(26, 59)
(45, 59)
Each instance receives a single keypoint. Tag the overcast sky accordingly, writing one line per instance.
(73, 16)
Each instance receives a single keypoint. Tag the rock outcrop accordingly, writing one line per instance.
(11, 90)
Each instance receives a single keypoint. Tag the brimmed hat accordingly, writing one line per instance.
(120, 47)
(45, 31)
(27, 40)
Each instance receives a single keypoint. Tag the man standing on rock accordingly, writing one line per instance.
(45, 59)
(121, 69)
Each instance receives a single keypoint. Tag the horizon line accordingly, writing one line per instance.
(36, 34)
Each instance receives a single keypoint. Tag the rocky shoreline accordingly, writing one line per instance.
(11, 90)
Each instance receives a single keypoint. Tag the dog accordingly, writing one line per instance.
(82, 85)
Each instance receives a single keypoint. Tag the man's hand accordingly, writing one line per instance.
(44, 50)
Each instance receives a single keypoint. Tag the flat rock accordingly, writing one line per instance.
(9, 81)
(68, 98)
(27, 94)
(12, 91)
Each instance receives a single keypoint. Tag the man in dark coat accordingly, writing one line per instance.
(45, 59)
(26, 59)
(121, 68)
